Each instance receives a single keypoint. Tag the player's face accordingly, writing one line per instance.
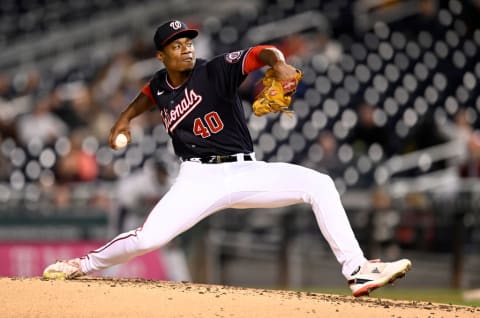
(179, 55)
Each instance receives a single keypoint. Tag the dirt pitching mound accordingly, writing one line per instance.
(100, 297)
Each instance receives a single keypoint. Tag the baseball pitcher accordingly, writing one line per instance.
(203, 114)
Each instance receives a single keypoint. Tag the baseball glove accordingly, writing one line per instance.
(276, 95)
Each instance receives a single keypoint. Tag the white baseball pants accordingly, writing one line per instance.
(203, 189)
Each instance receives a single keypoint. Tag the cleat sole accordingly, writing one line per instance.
(366, 290)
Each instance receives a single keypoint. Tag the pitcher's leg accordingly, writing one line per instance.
(334, 224)
(182, 207)
(280, 184)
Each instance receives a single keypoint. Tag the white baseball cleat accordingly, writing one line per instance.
(374, 274)
(64, 269)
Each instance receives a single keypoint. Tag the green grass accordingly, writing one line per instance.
(444, 296)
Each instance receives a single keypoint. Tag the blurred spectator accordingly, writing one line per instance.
(101, 123)
(462, 127)
(41, 123)
(141, 50)
(5, 166)
(330, 48)
(115, 98)
(73, 103)
(11, 106)
(111, 79)
(426, 133)
(6, 88)
(470, 168)
(383, 222)
(463, 132)
(329, 163)
(368, 132)
(78, 164)
(27, 83)
(417, 226)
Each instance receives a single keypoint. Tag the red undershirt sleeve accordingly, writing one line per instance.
(252, 62)
(146, 91)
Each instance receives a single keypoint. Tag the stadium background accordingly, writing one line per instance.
(388, 107)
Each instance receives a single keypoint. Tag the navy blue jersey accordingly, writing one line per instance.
(204, 116)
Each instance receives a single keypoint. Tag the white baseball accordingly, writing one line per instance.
(121, 141)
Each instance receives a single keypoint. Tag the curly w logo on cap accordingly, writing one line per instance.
(175, 25)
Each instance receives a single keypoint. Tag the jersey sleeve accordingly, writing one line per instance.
(147, 91)
(252, 62)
